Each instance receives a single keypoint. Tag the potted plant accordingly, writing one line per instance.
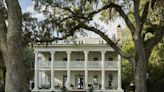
(90, 88)
(63, 89)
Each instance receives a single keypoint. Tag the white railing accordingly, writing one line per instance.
(44, 63)
(94, 64)
(60, 64)
(111, 64)
(76, 64)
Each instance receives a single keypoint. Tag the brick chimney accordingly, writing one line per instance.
(119, 34)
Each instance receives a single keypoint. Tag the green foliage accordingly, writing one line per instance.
(155, 17)
(157, 55)
(29, 62)
(155, 69)
(128, 44)
(127, 74)
(127, 68)
(34, 30)
(155, 79)
(156, 13)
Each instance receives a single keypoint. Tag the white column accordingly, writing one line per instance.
(86, 69)
(36, 71)
(52, 70)
(68, 69)
(103, 70)
(119, 72)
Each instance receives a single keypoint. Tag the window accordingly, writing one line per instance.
(78, 59)
(49, 59)
(101, 42)
(95, 59)
(64, 59)
(110, 59)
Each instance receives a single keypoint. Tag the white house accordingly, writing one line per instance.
(79, 66)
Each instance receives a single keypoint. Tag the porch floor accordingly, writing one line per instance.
(75, 90)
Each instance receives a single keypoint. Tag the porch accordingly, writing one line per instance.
(78, 81)
(77, 70)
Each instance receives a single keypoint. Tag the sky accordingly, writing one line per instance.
(27, 6)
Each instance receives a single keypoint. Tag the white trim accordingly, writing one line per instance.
(36, 71)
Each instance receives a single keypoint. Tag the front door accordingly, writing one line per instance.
(79, 81)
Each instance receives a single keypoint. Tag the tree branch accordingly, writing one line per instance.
(148, 5)
(66, 18)
(109, 41)
(136, 14)
(109, 5)
(125, 17)
(70, 33)
(64, 8)
(121, 12)
(144, 13)
(74, 14)
(150, 43)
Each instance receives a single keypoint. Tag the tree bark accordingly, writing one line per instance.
(14, 77)
(140, 64)
(140, 75)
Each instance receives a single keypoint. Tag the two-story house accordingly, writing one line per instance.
(78, 66)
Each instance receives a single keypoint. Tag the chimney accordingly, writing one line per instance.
(119, 34)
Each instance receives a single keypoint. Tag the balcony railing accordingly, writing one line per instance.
(111, 64)
(78, 64)
(44, 64)
(60, 64)
(94, 64)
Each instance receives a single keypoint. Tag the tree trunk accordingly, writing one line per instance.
(15, 70)
(140, 75)
(140, 64)
(14, 57)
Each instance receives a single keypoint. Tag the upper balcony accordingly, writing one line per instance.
(79, 64)
(95, 60)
